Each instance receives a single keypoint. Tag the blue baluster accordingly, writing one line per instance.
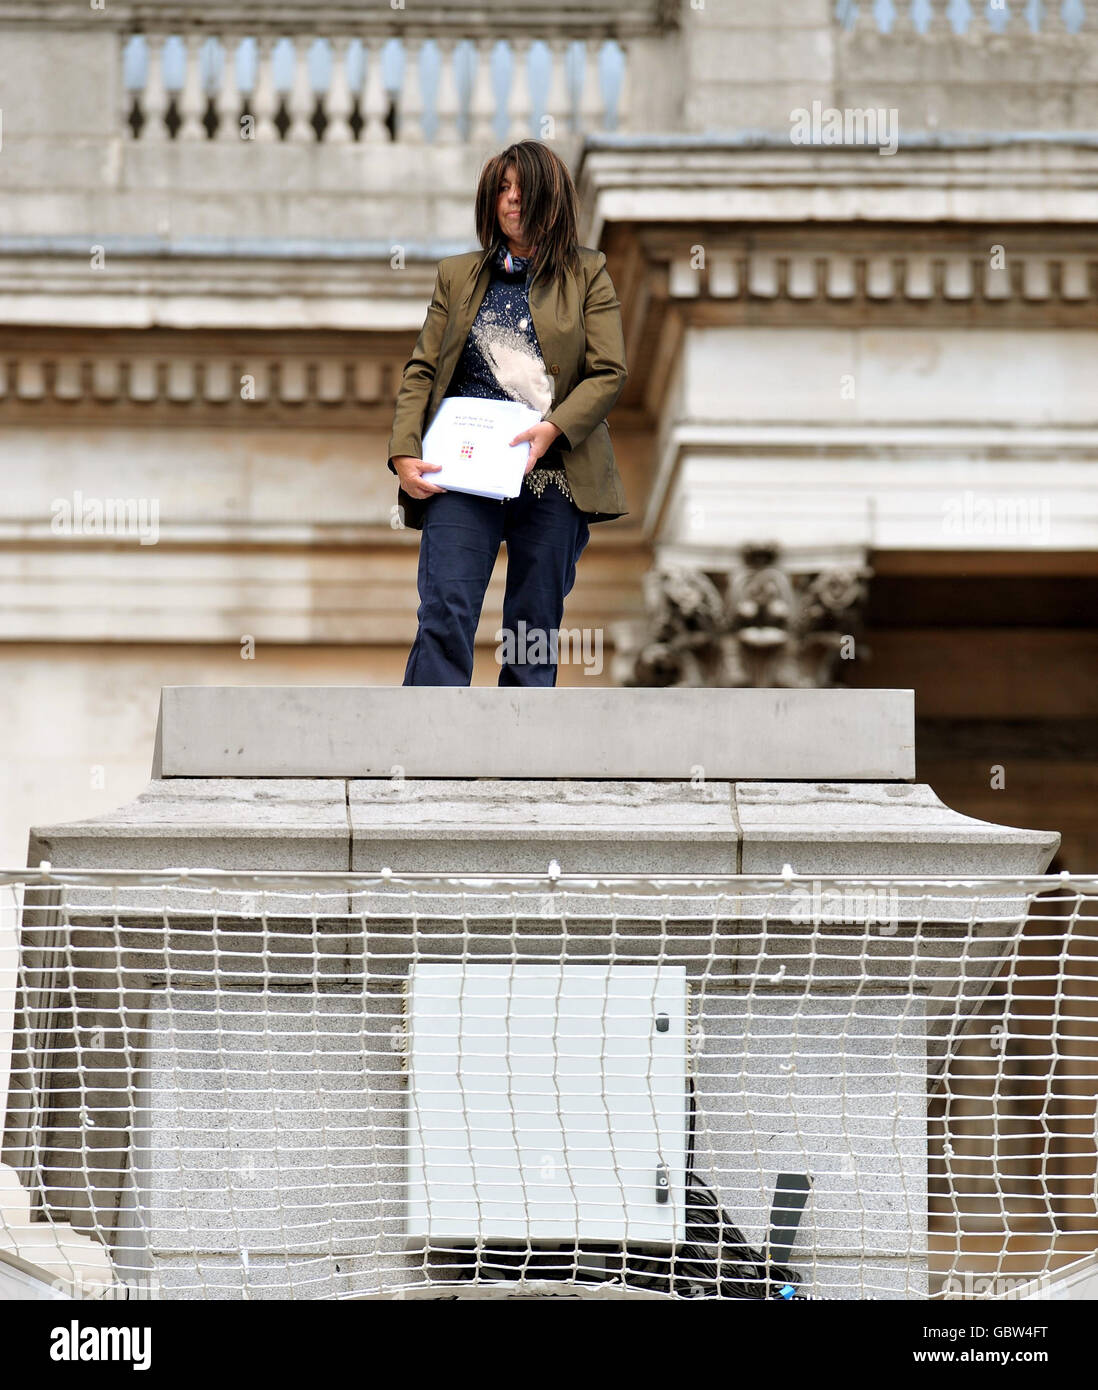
(922, 12)
(884, 12)
(1073, 13)
(998, 15)
(959, 14)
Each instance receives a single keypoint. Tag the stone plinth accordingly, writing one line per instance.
(256, 1139)
(488, 731)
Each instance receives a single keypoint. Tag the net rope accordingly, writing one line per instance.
(268, 1085)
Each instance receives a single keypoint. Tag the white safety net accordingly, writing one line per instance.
(264, 1085)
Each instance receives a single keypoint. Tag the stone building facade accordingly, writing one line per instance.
(854, 247)
(868, 361)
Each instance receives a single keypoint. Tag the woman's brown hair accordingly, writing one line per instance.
(549, 202)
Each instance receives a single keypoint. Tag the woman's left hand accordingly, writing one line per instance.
(540, 437)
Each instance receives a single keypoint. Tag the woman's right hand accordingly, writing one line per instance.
(410, 471)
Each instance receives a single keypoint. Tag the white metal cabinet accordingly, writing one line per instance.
(546, 1102)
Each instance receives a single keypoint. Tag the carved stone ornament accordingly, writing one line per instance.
(753, 625)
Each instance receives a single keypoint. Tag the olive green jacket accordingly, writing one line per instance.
(579, 331)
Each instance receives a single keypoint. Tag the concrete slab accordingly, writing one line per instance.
(488, 731)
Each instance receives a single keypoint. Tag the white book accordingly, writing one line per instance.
(469, 437)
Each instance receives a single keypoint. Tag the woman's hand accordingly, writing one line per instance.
(410, 472)
(540, 437)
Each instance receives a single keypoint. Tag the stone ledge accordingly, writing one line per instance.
(488, 731)
(493, 825)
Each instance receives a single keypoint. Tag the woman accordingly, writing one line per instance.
(532, 317)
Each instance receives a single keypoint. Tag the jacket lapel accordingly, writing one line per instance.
(475, 287)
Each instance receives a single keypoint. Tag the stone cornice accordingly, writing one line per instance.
(328, 17)
(220, 285)
(1049, 276)
(858, 275)
(163, 378)
(722, 179)
(721, 140)
(875, 267)
(367, 253)
(160, 378)
(848, 489)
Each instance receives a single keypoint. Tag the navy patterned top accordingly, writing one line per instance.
(501, 359)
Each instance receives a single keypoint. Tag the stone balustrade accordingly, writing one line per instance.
(440, 88)
(962, 16)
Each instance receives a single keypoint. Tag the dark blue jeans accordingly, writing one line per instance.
(459, 543)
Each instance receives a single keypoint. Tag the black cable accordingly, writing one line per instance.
(715, 1260)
